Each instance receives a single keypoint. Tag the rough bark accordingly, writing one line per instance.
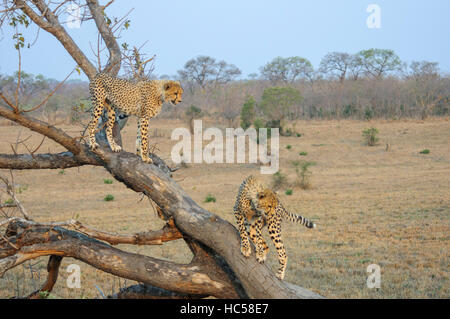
(53, 269)
(217, 269)
(191, 219)
(200, 277)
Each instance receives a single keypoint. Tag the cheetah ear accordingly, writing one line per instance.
(167, 86)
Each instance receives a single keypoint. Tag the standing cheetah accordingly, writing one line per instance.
(143, 99)
(256, 205)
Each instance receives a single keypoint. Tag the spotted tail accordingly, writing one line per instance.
(296, 218)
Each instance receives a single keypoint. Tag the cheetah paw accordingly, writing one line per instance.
(94, 146)
(147, 160)
(116, 148)
(246, 251)
(261, 258)
(280, 275)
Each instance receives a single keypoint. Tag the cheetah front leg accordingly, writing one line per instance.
(138, 138)
(245, 243)
(275, 235)
(109, 128)
(144, 121)
(258, 240)
(96, 113)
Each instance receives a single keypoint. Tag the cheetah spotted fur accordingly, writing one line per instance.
(257, 206)
(143, 99)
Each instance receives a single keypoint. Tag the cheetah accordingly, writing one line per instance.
(256, 205)
(143, 99)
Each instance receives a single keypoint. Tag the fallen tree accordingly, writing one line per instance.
(217, 269)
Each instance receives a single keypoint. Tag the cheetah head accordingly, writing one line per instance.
(173, 92)
(266, 201)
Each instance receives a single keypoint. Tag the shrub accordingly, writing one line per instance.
(259, 123)
(210, 198)
(298, 134)
(368, 114)
(425, 151)
(277, 103)
(108, 181)
(278, 180)
(303, 153)
(287, 132)
(370, 136)
(303, 174)
(349, 110)
(108, 198)
(288, 147)
(192, 113)
(289, 191)
(248, 112)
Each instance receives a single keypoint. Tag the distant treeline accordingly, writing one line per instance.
(370, 84)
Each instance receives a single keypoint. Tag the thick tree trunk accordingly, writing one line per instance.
(218, 267)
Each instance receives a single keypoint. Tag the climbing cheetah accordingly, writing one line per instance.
(256, 205)
(143, 99)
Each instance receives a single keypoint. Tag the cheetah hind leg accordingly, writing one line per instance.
(275, 235)
(109, 128)
(256, 236)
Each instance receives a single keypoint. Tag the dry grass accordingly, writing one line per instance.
(371, 206)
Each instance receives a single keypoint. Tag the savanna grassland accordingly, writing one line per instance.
(372, 206)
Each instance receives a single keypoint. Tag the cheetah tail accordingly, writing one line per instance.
(297, 218)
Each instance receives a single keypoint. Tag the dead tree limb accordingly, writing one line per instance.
(217, 269)
(53, 269)
(196, 278)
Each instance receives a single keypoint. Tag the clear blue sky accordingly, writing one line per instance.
(249, 33)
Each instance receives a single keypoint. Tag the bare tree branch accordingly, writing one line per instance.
(49, 22)
(115, 55)
(36, 241)
(53, 269)
(42, 161)
(167, 233)
(43, 128)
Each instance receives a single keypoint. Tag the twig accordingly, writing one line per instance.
(10, 191)
(107, 5)
(8, 102)
(39, 146)
(50, 94)
(18, 77)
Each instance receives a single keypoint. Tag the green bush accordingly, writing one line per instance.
(349, 110)
(425, 151)
(303, 153)
(303, 173)
(370, 136)
(277, 103)
(108, 181)
(278, 180)
(368, 114)
(248, 112)
(288, 147)
(258, 123)
(108, 198)
(289, 192)
(210, 198)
